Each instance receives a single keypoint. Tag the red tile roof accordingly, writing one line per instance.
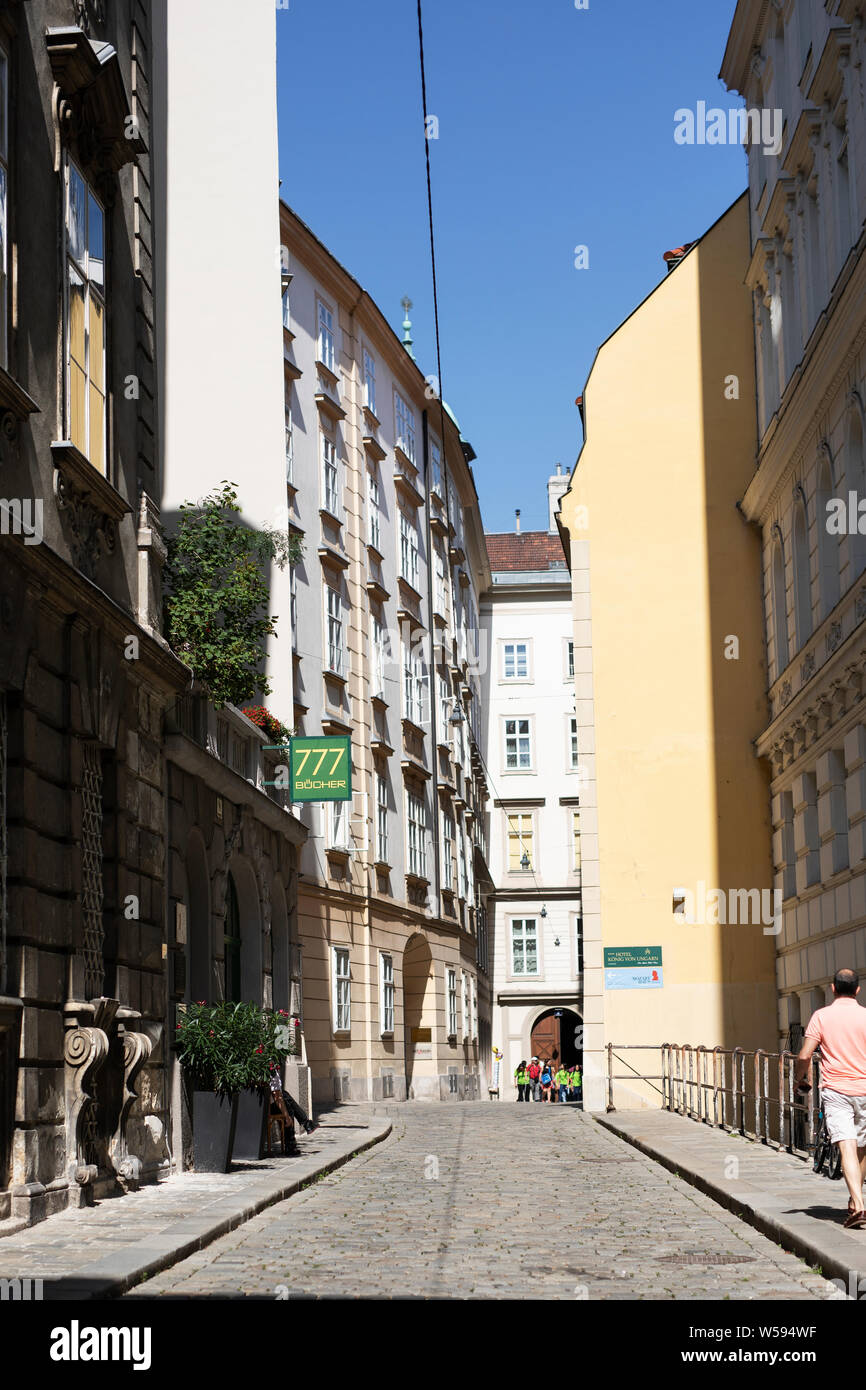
(526, 550)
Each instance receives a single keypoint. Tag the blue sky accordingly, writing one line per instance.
(555, 130)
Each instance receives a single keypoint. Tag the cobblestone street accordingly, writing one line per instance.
(494, 1201)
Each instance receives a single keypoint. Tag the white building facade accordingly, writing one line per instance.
(533, 762)
(808, 278)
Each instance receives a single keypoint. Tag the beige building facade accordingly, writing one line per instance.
(670, 677)
(385, 605)
(807, 277)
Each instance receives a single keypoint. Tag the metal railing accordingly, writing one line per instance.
(743, 1092)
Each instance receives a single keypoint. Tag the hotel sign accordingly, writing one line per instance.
(618, 956)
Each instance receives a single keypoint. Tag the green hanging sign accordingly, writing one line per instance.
(320, 769)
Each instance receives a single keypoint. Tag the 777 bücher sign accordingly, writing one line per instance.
(320, 769)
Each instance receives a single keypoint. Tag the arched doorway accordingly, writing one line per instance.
(556, 1037)
(419, 1005)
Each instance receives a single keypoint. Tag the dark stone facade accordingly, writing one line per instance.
(84, 673)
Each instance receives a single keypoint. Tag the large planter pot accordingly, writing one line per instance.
(213, 1131)
(250, 1126)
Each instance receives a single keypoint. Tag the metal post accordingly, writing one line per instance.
(738, 1066)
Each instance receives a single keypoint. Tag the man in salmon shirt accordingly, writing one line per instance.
(839, 1030)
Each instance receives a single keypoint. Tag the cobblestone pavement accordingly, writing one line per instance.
(92, 1252)
(486, 1200)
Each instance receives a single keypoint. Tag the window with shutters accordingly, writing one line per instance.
(404, 419)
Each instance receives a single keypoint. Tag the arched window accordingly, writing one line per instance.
(855, 477)
(780, 611)
(802, 575)
(828, 543)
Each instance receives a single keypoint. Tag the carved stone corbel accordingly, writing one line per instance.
(136, 1050)
(85, 1049)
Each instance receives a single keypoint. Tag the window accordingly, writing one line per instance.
(435, 468)
(342, 1002)
(515, 661)
(417, 826)
(572, 743)
(466, 1015)
(290, 445)
(461, 864)
(473, 985)
(414, 683)
(405, 421)
(440, 590)
(451, 993)
(409, 550)
(293, 605)
(448, 851)
(4, 215)
(569, 660)
(519, 832)
(287, 312)
(386, 992)
(330, 477)
(524, 946)
(379, 642)
(369, 382)
(575, 841)
(518, 748)
(85, 318)
(444, 707)
(335, 630)
(373, 509)
(326, 336)
(338, 827)
(381, 819)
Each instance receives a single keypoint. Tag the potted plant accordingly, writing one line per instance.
(224, 1050)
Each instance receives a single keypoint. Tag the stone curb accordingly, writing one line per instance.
(837, 1260)
(119, 1271)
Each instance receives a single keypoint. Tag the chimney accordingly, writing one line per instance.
(517, 520)
(673, 258)
(556, 486)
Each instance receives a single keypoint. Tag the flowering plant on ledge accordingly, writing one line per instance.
(228, 1048)
(268, 723)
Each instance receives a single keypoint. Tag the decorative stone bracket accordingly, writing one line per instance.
(91, 505)
(85, 1049)
(136, 1050)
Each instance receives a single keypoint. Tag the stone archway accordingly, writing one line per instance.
(419, 1015)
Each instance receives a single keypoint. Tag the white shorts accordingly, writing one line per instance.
(845, 1116)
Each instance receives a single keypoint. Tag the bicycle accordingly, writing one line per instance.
(826, 1151)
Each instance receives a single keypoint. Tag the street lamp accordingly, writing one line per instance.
(456, 714)
(524, 860)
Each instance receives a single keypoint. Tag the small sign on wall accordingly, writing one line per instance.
(422, 1044)
(633, 967)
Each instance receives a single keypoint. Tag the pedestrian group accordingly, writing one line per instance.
(538, 1080)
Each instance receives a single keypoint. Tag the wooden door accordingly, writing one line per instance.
(544, 1043)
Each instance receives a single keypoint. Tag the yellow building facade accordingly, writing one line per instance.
(670, 677)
